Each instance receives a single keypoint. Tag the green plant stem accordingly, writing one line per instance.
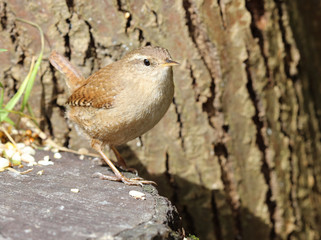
(37, 64)
(13, 101)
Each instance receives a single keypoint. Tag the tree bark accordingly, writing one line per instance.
(238, 152)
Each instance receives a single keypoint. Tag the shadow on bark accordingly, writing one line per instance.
(216, 222)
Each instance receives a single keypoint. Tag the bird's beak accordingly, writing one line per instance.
(169, 63)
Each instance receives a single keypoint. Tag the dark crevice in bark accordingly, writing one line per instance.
(216, 220)
(287, 47)
(127, 15)
(232, 197)
(21, 58)
(256, 8)
(293, 195)
(140, 35)
(194, 83)
(220, 150)
(156, 18)
(179, 121)
(128, 22)
(221, 14)
(56, 25)
(119, 5)
(6, 75)
(3, 18)
(15, 84)
(70, 4)
(14, 35)
(286, 61)
(226, 128)
(265, 169)
(91, 50)
(170, 178)
(208, 106)
(67, 138)
(13, 38)
(206, 50)
(67, 41)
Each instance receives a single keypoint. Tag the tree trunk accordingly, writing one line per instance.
(238, 152)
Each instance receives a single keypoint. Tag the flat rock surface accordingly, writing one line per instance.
(43, 206)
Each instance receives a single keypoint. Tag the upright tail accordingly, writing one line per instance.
(74, 77)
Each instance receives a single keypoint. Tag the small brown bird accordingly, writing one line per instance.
(121, 101)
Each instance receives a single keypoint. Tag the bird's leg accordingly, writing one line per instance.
(97, 145)
(121, 162)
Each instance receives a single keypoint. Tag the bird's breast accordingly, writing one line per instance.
(135, 111)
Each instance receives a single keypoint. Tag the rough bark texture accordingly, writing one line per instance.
(238, 152)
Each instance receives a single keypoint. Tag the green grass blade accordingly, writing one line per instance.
(36, 67)
(8, 120)
(1, 96)
(13, 101)
(3, 50)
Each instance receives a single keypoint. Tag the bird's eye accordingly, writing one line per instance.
(146, 62)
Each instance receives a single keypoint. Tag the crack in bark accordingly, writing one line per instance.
(179, 120)
(287, 46)
(141, 37)
(91, 50)
(169, 176)
(208, 106)
(194, 83)
(127, 15)
(212, 106)
(265, 169)
(221, 7)
(286, 62)
(156, 18)
(70, 5)
(3, 18)
(14, 85)
(230, 187)
(67, 40)
(257, 11)
(208, 54)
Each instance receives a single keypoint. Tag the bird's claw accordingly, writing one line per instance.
(128, 181)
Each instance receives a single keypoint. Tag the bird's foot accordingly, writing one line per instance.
(121, 166)
(132, 170)
(129, 181)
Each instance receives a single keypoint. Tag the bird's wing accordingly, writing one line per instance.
(99, 91)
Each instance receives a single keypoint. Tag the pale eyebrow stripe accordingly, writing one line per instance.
(138, 56)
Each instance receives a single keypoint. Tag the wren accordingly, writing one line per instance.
(121, 101)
